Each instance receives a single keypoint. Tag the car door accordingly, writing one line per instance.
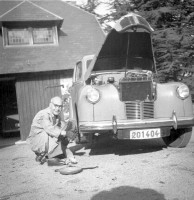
(74, 90)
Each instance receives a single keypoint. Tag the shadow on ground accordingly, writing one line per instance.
(125, 147)
(128, 193)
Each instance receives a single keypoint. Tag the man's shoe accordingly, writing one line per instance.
(73, 160)
(56, 162)
(68, 161)
(43, 160)
(38, 158)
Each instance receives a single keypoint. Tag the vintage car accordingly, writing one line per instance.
(116, 90)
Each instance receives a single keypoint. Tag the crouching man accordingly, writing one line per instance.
(49, 136)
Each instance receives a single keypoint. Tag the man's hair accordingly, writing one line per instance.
(56, 98)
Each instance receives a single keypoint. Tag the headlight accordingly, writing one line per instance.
(93, 95)
(17, 125)
(183, 91)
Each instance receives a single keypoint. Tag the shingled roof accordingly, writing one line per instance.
(28, 11)
(80, 34)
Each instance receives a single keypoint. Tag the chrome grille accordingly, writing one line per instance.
(139, 110)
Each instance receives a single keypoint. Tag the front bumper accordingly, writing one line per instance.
(115, 125)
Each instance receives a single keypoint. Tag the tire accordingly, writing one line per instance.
(178, 138)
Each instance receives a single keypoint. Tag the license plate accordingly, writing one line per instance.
(145, 134)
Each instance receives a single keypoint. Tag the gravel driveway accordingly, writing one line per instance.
(125, 170)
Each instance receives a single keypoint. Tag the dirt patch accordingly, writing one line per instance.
(131, 170)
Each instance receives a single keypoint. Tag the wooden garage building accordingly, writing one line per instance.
(40, 42)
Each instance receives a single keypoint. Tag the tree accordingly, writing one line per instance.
(90, 6)
(173, 39)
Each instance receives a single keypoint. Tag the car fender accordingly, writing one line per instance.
(109, 104)
(84, 107)
(167, 101)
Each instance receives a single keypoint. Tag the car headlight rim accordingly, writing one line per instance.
(183, 91)
(93, 95)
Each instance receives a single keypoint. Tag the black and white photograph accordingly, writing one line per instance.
(97, 99)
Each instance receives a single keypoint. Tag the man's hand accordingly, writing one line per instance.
(63, 133)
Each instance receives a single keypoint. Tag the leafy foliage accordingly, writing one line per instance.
(91, 6)
(173, 39)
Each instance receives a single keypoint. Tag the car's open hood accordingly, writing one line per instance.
(128, 45)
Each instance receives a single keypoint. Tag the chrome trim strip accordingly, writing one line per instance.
(174, 118)
(11, 131)
(134, 124)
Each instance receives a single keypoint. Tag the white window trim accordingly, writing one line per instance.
(6, 45)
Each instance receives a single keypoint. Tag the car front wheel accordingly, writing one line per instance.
(178, 138)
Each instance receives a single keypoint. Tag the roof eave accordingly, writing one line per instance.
(58, 22)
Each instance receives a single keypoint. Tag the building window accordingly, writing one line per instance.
(18, 37)
(30, 36)
(43, 36)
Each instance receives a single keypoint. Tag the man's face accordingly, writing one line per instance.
(56, 106)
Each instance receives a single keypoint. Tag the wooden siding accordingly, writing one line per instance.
(33, 94)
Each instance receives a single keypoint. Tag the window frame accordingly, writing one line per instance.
(31, 42)
(78, 72)
(34, 30)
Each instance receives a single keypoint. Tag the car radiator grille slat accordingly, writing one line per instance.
(139, 110)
